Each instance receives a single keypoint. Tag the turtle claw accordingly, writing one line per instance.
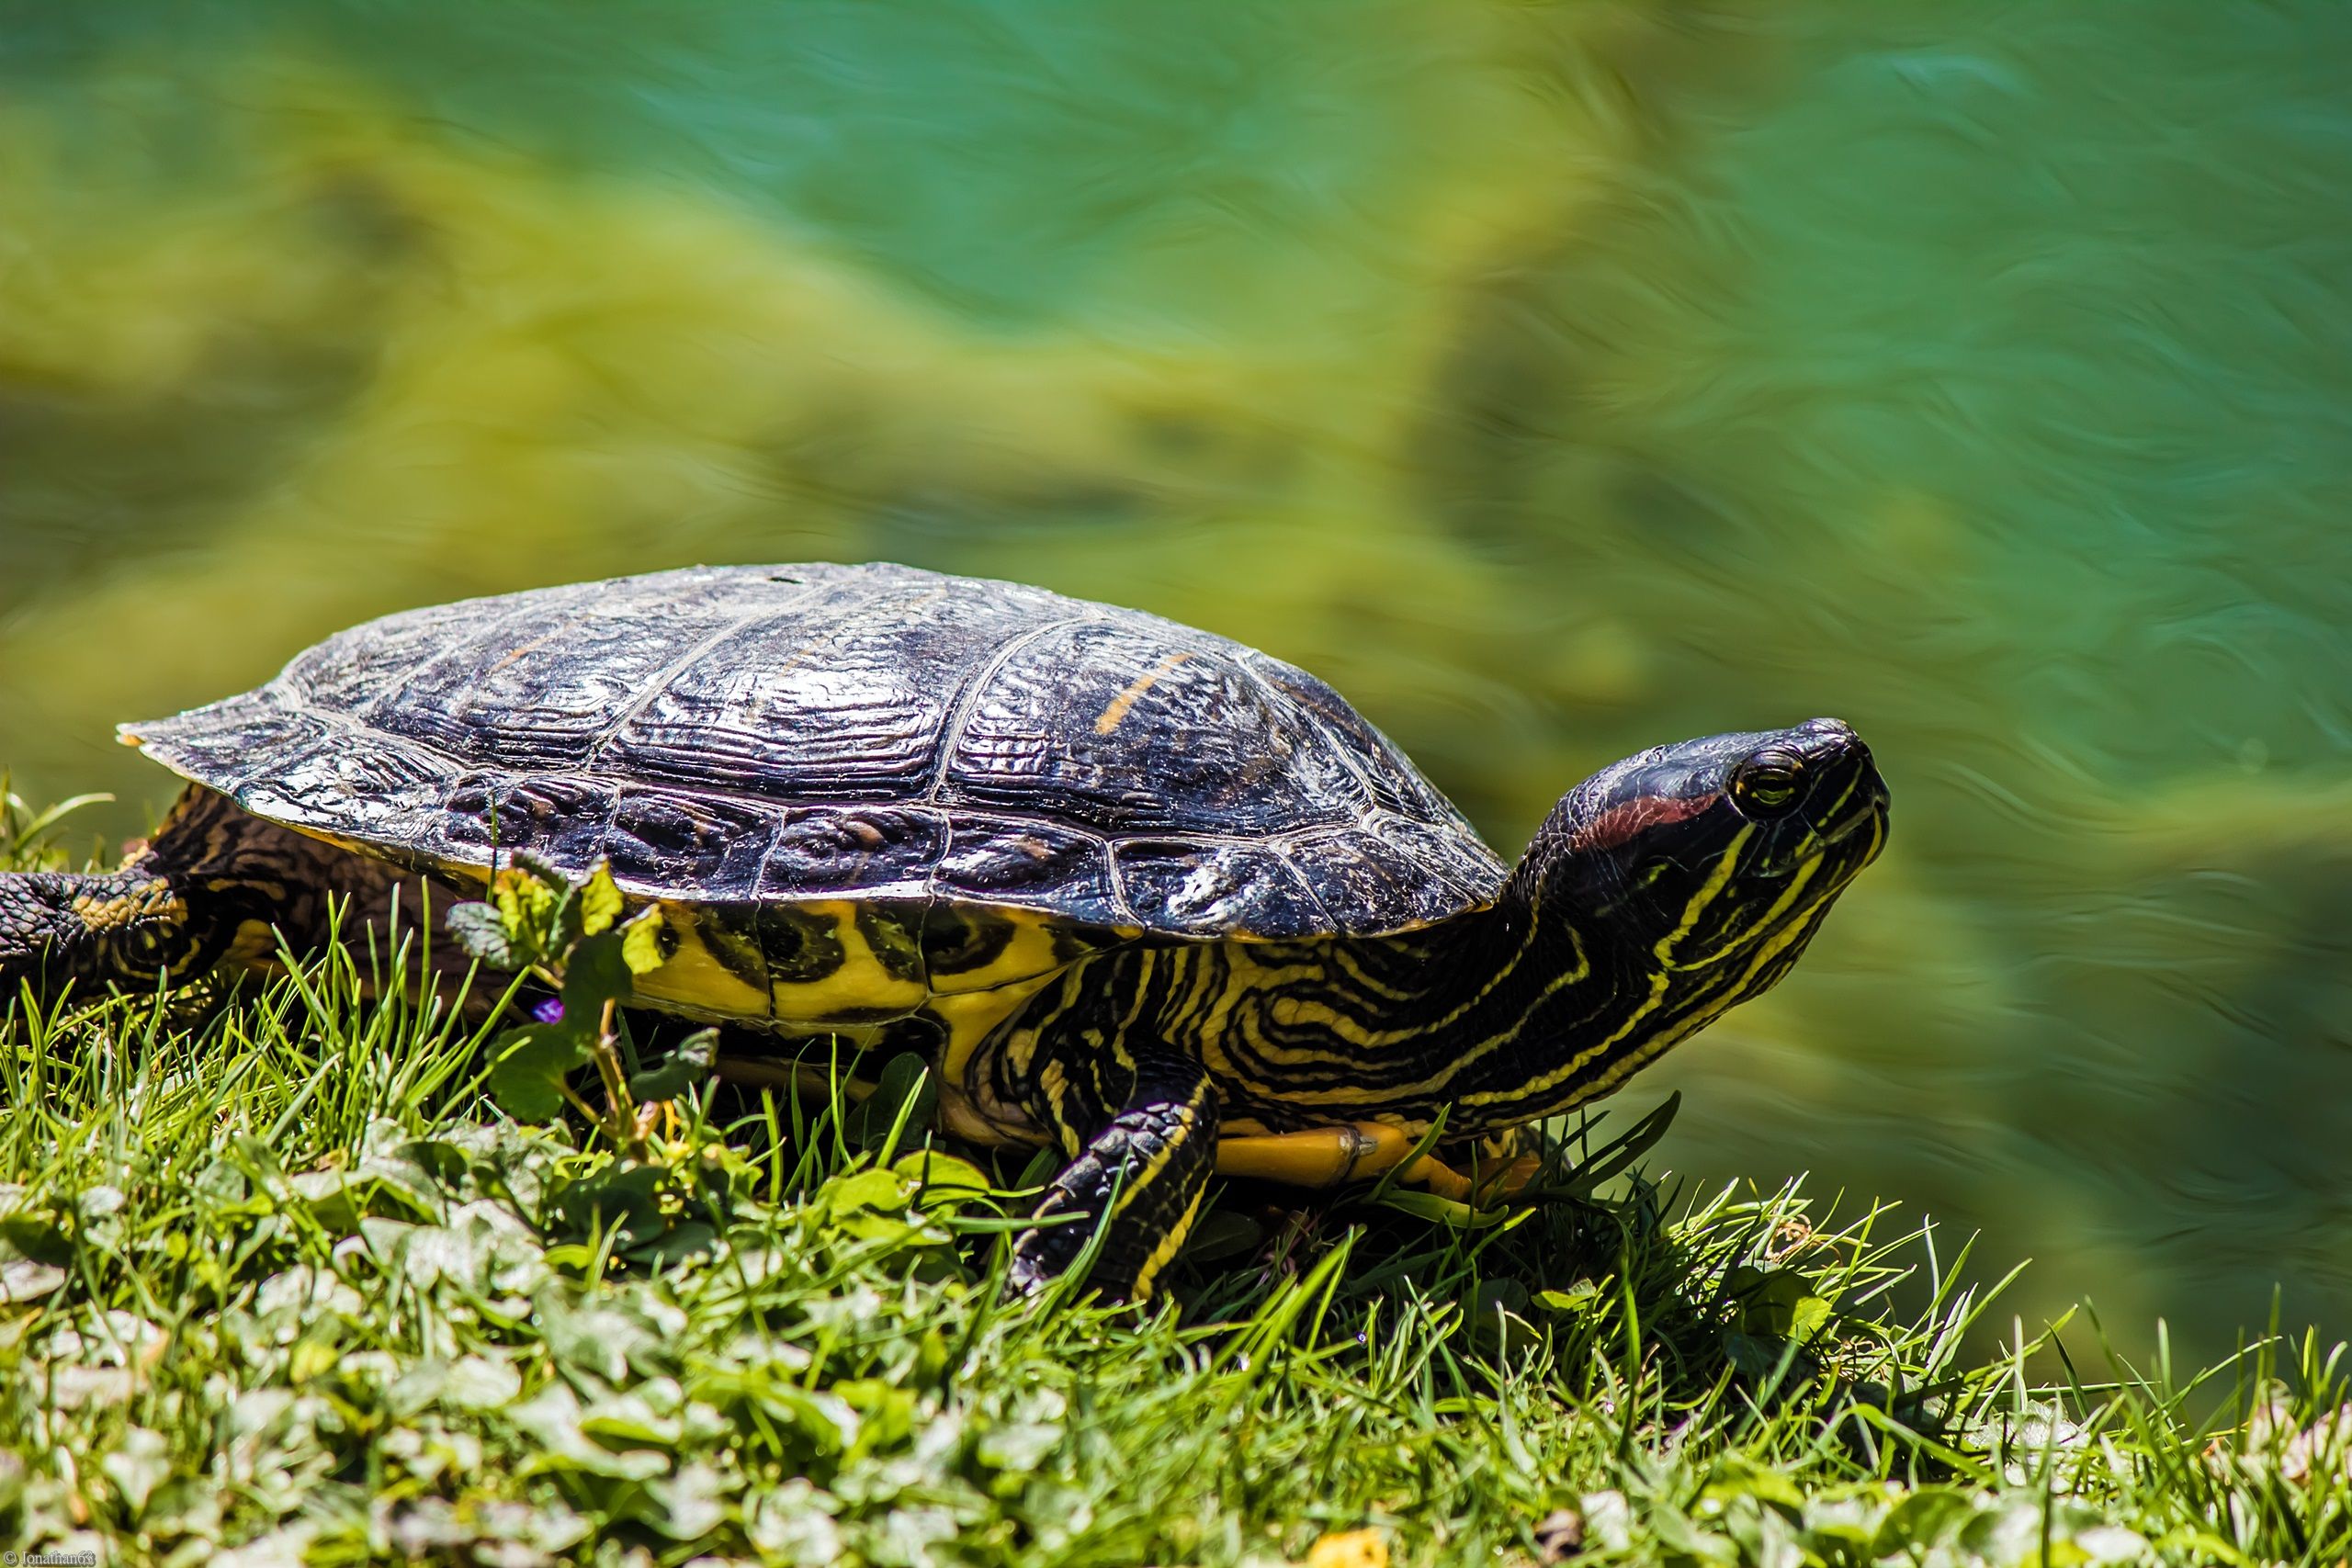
(1028, 1278)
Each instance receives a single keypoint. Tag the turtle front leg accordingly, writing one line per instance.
(1143, 1141)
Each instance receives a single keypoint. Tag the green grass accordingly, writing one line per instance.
(282, 1286)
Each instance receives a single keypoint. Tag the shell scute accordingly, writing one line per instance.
(1128, 730)
(872, 851)
(802, 946)
(1358, 873)
(541, 689)
(563, 818)
(355, 668)
(1216, 889)
(230, 741)
(684, 846)
(1442, 863)
(1032, 863)
(373, 794)
(1385, 774)
(468, 828)
(840, 697)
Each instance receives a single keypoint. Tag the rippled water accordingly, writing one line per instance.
(1554, 380)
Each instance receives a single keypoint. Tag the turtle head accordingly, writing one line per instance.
(1713, 861)
(125, 929)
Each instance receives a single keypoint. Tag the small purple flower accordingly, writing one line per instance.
(549, 1010)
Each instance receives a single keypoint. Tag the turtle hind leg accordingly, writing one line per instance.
(1140, 1172)
(203, 893)
(130, 928)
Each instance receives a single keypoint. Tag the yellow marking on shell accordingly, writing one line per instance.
(1028, 954)
(973, 1003)
(519, 650)
(859, 983)
(970, 1003)
(1116, 712)
(693, 975)
(450, 870)
(856, 1036)
(148, 900)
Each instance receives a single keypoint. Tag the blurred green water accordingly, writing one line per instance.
(1555, 380)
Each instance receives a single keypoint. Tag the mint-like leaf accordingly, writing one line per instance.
(481, 933)
(526, 1076)
(641, 942)
(683, 1068)
(600, 901)
(594, 973)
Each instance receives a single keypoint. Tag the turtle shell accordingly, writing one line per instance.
(864, 734)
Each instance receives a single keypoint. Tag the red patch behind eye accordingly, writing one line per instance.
(1619, 823)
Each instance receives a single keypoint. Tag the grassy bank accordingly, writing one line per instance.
(281, 1285)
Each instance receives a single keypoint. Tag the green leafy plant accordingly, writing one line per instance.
(570, 935)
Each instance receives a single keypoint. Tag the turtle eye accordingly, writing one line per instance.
(1767, 785)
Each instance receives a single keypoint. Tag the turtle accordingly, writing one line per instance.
(1149, 897)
